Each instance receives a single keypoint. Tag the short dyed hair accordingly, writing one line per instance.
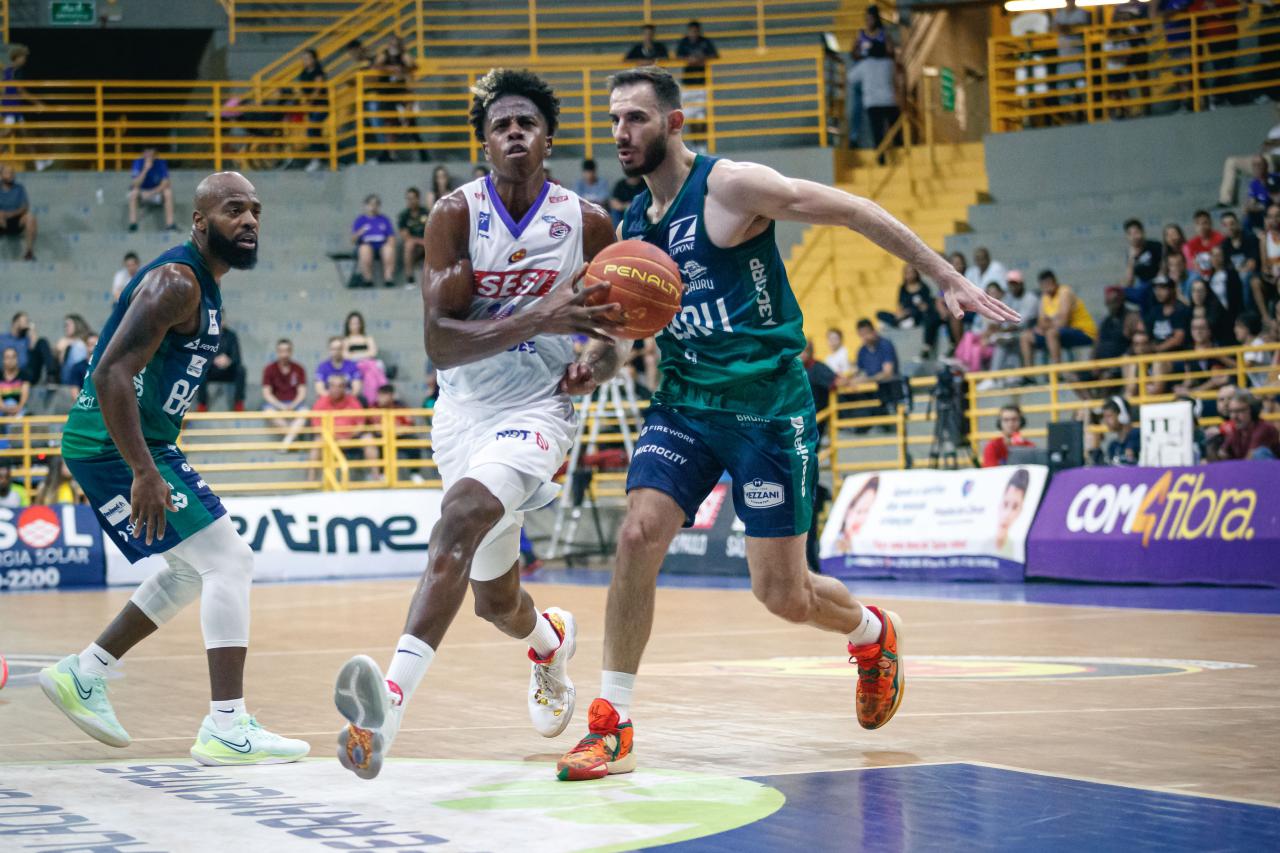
(665, 87)
(499, 83)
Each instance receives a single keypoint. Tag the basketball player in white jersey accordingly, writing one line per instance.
(504, 256)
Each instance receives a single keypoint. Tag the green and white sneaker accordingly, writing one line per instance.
(245, 742)
(83, 698)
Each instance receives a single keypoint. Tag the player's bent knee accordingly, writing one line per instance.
(639, 535)
(790, 605)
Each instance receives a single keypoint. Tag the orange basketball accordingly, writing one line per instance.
(643, 280)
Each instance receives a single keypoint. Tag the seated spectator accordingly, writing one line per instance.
(413, 227)
(915, 308)
(838, 360)
(432, 391)
(74, 377)
(1250, 437)
(1007, 339)
(72, 348)
(1248, 331)
(975, 351)
(385, 398)
(58, 486)
(442, 183)
(13, 494)
(16, 218)
(284, 389)
(346, 428)
(984, 270)
(1225, 282)
(1199, 363)
(35, 356)
(373, 234)
(14, 389)
(647, 51)
(150, 183)
(877, 359)
(624, 191)
(1115, 334)
(1205, 303)
(1176, 272)
(1174, 240)
(1245, 255)
(1221, 408)
(1270, 249)
(361, 348)
(1063, 322)
(1196, 250)
(1011, 423)
(337, 363)
(1144, 258)
(955, 325)
(227, 367)
(822, 382)
(124, 275)
(1264, 191)
(1168, 325)
(1123, 443)
(591, 186)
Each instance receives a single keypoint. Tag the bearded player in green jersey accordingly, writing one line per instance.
(733, 396)
(120, 444)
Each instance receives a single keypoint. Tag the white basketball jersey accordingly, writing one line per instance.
(516, 264)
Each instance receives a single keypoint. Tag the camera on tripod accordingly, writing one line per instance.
(947, 404)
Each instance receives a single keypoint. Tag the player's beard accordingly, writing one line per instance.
(654, 154)
(237, 257)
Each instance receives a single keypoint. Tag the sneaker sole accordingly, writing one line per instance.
(896, 622)
(85, 724)
(212, 761)
(358, 696)
(611, 768)
(570, 648)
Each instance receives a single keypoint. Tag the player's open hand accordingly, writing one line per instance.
(961, 295)
(578, 379)
(148, 501)
(566, 312)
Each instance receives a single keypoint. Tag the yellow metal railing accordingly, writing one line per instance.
(1122, 69)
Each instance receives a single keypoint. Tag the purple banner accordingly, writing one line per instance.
(1217, 524)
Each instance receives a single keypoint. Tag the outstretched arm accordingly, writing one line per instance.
(770, 195)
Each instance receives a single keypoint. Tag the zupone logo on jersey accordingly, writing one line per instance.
(508, 283)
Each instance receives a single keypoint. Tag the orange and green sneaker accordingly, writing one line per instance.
(881, 680)
(605, 750)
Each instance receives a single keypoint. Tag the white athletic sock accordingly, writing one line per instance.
(615, 688)
(95, 660)
(410, 663)
(543, 639)
(225, 712)
(868, 630)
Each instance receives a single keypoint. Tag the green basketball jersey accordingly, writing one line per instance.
(167, 386)
(735, 342)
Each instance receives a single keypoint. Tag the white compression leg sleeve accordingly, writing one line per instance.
(166, 592)
(225, 564)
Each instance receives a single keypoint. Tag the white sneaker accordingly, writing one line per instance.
(83, 698)
(245, 742)
(373, 715)
(551, 694)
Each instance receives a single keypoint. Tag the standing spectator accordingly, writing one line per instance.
(1068, 23)
(1225, 282)
(873, 39)
(1168, 325)
(984, 271)
(442, 183)
(1197, 249)
(315, 96)
(696, 52)
(1248, 332)
(58, 487)
(73, 347)
(346, 428)
(397, 70)
(35, 357)
(876, 81)
(16, 218)
(124, 275)
(877, 359)
(1143, 260)
(227, 368)
(13, 494)
(150, 183)
(14, 389)
(1264, 191)
(1063, 322)
(915, 308)
(1245, 255)
(373, 234)
(838, 360)
(1199, 363)
(337, 363)
(624, 191)
(1250, 438)
(284, 389)
(14, 94)
(1205, 303)
(1011, 423)
(647, 51)
(591, 186)
(413, 228)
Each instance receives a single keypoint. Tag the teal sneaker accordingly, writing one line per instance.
(245, 742)
(83, 698)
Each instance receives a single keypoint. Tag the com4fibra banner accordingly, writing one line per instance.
(1216, 523)
(42, 547)
(379, 533)
(933, 525)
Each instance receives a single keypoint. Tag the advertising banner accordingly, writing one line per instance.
(716, 542)
(933, 525)
(1215, 523)
(43, 547)
(325, 535)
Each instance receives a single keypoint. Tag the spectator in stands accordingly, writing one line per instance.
(1174, 240)
(432, 391)
(822, 382)
(1168, 326)
(149, 182)
(1063, 321)
(877, 359)
(373, 234)
(955, 325)
(984, 271)
(316, 98)
(1225, 282)
(385, 398)
(58, 486)
(876, 83)
(1244, 253)
(624, 191)
(359, 347)
(1264, 191)
(75, 376)
(1144, 259)
(13, 494)
(227, 368)
(874, 37)
(1010, 423)
(337, 363)
(1205, 303)
(696, 51)
(838, 360)
(1006, 340)
(442, 183)
(413, 227)
(284, 388)
(591, 186)
(124, 275)
(35, 357)
(1115, 332)
(1123, 444)
(915, 308)
(16, 218)
(1270, 248)
(1068, 23)
(480, 171)
(975, 350)
(345, 427)
(1250, 437)
(1222, 409)
(1176, 272)
(73, 347)
(14, 389)
(14, 94)
(1196, 250)
(647, 51)
(1248, 332)
(1198, 363)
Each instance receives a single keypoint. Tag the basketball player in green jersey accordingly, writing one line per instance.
(120, 444)
(733, 396)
